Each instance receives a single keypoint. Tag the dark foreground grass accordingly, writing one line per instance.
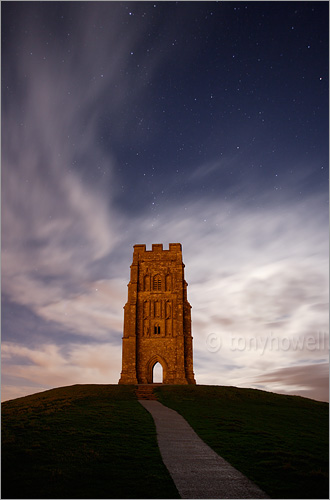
(280, 442)
(97, 441)
(86, 441)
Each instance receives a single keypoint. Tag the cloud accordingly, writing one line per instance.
(58, 221)
(257, 280)
(55, 367)
(96, 312)
(262, 292)
(310, 381)
(263, 296)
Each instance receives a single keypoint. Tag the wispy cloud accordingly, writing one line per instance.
(263, 296)
(310, 381)
(51, 366)
(254, 275)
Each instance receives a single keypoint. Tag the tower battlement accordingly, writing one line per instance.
(158, 247)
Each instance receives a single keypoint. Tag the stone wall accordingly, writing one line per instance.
(157, 318)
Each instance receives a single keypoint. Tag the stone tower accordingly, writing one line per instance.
(157, 318)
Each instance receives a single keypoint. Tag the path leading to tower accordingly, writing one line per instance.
(197, 471)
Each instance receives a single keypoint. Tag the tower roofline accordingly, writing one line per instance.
(158, 247)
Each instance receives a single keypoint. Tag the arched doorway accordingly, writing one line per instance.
(157, 373)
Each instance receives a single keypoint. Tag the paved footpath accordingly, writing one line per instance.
(197, 471)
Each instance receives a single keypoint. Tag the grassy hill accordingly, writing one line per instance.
(97, 441)
(85, 441)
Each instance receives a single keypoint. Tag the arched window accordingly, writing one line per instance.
(157, 374)
(157, 282)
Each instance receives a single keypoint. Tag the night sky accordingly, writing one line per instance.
(204, 123)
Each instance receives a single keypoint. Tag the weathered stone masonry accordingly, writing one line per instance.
(157, 318)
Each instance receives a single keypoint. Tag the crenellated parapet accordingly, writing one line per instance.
(157, 247)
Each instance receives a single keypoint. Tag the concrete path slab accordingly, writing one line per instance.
(197, 471)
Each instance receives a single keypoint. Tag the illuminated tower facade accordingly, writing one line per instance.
(157, 318)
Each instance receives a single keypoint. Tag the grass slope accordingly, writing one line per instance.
(97, 441)
(88, 441)
(278, 441)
